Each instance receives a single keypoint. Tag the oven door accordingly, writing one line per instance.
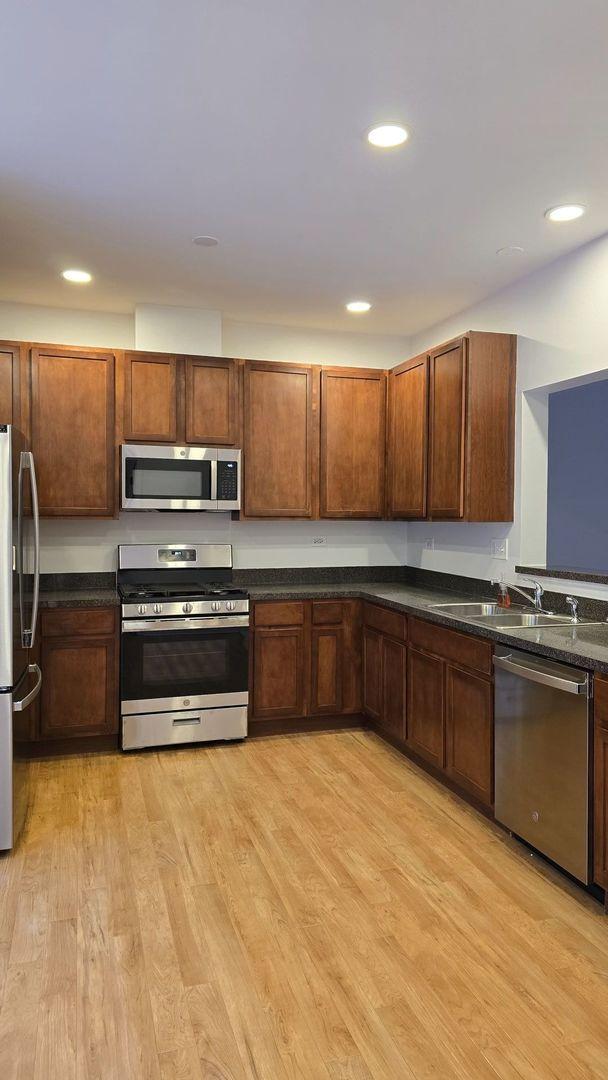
(169, 664)
(169, 478)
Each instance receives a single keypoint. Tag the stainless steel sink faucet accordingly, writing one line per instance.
(536, 600)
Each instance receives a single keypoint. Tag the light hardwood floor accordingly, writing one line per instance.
(303, 906)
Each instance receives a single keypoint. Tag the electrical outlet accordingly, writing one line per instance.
(499, 549)
(319, 539)
(429, 543)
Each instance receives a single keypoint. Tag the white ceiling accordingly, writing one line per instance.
(130, 126)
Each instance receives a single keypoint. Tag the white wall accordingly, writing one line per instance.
(561, 316)
(80, 545)
(259, 341)
(160, 328)
(74, 545)
(65, 326)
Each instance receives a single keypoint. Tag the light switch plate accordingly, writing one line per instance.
(429, 543)
(319, 539)
(499, 549)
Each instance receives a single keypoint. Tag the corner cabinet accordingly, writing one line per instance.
(451, 439)
(353, 408)
(280, 448)
(430, 690)
(71, 426)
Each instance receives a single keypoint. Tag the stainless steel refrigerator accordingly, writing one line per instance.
(20, 677)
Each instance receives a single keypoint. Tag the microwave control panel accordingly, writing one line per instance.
(227, 481)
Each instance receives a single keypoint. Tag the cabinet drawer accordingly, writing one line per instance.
(279, 613)
(463, 649)
(600, 708)
(385, 621)
(327, 612)
(70, 622)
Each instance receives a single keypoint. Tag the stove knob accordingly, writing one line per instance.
(215, 605)
(230, 605)
(157, 609)
(141, 609)
(186, 608)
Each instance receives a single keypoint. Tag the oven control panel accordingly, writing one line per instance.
(171, 609)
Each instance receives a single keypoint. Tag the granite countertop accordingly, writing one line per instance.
(583, 644)
(73, 598)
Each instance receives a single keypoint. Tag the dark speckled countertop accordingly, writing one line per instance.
(71, 598)
(584, 644)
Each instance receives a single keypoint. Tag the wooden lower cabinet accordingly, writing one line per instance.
(425, 707)
(394, 665)
(79, 660)
(600, 785)
(306, 660)
(327, 656)
(372, 673)
(278, 672)
(433, 694)
(469, 732)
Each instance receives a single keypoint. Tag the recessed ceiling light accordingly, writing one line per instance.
(387, 135)
(80, 277)
(358, 307)
(510, 250)
(205, 241)
(569, 212)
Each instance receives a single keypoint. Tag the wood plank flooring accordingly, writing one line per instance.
(297, 907)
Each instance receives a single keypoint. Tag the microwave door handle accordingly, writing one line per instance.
(214, 482)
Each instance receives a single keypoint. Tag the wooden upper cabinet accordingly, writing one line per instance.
(408, 395)
(150, 398)
(447, 430)
(212, 401)
(490, 439)
(353, 407)
(280, 447)
(472, 428)
(72, 431)
(9, 383)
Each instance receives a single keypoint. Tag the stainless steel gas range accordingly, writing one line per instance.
(184, 645)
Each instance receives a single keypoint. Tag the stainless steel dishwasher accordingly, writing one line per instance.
(542, 756)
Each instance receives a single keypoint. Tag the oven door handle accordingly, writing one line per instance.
(227, 622)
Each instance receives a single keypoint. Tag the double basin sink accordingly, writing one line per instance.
(492, 614)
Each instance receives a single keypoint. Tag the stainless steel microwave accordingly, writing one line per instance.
(180, 478)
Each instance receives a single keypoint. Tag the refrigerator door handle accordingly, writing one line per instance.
(20, 706)
(27, 462)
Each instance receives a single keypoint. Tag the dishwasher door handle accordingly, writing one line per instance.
(545, 678)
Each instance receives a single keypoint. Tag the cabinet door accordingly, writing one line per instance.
(372, 673)
(353, 404)
(469, 732)
(393, 687)
(9, 383)
(408, 391)
(600, 801)
(327, 648)
(278, 673)
(447, 430)
(72, 432)
(211, 401)
(150, 398)
(79, 688)
(279, 444)
(425, 723)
